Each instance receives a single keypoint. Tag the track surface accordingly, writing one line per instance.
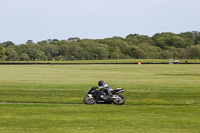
(82, 63)
(29, 103)
(34, 103)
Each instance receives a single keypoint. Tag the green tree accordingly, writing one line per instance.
(30, 50)
(70, 50)
(132, 39)
(50, 50)
(8, 43)
(2, 52)
(172, 52)
(11, 54)
(195, 54)
(165, 54)
(24, 57)
(134, 52)
(29, 42)
(182, 53)
(188, 37)
(54, 41)
(148, 51)
(60, 58)
(168, 39)
(177, 42)
(87, 46)
(74, 39)
(197, 36)
(75, 52)
(116, 53)
(99, 52)
(40, 55)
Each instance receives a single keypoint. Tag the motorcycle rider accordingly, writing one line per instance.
(105, 87)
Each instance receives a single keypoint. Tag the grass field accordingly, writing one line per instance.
(159, 98)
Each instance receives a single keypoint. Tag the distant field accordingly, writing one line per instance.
(159, 98)
(111, 61)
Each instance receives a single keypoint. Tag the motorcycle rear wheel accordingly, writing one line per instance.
(88, 100)
(120, 101)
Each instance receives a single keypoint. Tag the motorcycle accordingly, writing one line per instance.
(100, 97)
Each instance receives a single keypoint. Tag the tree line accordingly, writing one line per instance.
(185, 45)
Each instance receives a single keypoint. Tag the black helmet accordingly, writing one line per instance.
(101, 82)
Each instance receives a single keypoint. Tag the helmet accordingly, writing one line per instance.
(101, 82)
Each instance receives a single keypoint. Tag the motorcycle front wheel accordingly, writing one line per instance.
(119, 101)
(88, 100)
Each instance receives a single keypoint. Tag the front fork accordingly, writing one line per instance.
(90, 96)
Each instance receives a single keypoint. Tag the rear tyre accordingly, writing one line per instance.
(119, 101)
(88, 100)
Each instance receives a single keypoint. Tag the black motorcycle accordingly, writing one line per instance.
(100, 97)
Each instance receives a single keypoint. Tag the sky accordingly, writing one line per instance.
(37, 20)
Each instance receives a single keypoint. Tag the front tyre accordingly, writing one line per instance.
(89, 100)
(119, 101)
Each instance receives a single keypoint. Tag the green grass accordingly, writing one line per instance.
(144, 84)
(159, 98)
(99, 118)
